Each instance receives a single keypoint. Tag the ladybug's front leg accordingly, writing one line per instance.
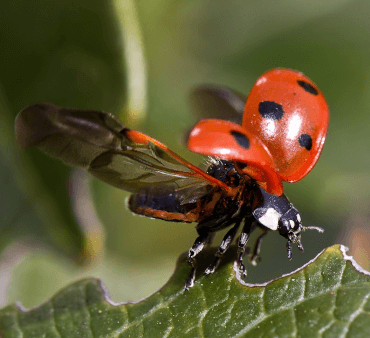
(242, 243)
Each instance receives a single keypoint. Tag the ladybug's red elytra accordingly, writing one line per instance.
(287, 114)
(277, 137)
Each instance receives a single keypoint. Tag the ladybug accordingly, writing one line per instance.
(277, 137)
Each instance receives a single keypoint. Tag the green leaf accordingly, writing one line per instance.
(329, 297)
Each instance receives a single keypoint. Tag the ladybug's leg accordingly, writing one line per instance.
(242, 243)
(257, 248)
(293, 239)
(204, 238)
(225, 244)
(206, 230)
(289, 249)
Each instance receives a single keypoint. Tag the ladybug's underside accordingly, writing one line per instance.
(218, 210)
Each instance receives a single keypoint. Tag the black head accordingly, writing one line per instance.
(290, 223)
(277, 213)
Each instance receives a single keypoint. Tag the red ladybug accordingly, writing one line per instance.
(282, 133)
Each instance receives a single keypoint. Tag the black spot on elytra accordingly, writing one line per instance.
(271, 110)
(305, 140)
(308, 88)
(241, 139)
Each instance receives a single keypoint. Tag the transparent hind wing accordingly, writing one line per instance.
(102, 145)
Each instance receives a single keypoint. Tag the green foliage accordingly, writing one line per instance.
(52, 53)
(327, 298)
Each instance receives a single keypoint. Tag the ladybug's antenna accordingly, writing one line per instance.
(321, 230)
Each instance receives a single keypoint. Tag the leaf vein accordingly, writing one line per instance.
(149, 313)
(202, 314)
(252, 325)
(84, 291)
(326, 327)
(356, 314)
(54, 319)
(18, 323)
(294, 322)
(263, 307)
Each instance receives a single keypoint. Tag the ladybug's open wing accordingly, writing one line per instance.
(223, 103)
(101, 144)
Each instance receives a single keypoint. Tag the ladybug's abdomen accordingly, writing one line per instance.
(170, 206)
(167, 207)
(290, 116)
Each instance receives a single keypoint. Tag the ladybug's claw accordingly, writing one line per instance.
(212, 268)
(190, 281)
(242, 270)
(239, 261)
(255, 259)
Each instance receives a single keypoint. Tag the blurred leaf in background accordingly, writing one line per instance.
(74, 53)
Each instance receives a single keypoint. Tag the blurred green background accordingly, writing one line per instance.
(88, 54)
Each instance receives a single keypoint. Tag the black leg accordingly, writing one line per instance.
(293, 239)
(242, 244)
(299, 243)
(257, 248)
(198, 246)
(225, 244)
(289, 248)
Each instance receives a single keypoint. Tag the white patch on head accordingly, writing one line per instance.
(291, 222)
(270, 219)
(299, 218)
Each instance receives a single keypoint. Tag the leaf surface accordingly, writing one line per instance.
(329, 297)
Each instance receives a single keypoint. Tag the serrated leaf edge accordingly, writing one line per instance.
(343, 249)
(346, 257)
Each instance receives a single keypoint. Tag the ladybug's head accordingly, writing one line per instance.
(290, 223)
(277, 213)
(290, 227)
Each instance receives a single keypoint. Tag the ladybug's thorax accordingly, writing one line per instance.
(225, 172)
(241, 193)
(229, 173)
